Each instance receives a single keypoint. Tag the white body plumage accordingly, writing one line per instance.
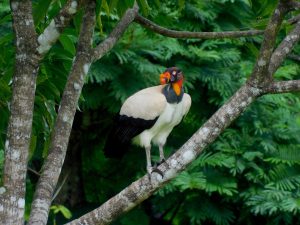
(149, 104)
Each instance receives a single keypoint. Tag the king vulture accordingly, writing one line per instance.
(148, 117)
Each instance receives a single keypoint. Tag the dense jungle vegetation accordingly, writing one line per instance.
(250, 175)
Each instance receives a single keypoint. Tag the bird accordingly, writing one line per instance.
(147, 118)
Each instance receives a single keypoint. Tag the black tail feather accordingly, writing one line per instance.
(124, 129)
(114, 146)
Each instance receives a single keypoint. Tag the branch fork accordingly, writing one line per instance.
(12, 203)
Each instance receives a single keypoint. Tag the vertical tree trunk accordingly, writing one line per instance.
(20, 121)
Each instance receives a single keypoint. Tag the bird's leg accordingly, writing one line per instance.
(148, 158)
(161, 154)
(151, 169)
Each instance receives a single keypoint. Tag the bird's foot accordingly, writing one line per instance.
(154, 169)
(162, 160)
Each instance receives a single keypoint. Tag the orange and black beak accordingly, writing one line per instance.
(165, 78)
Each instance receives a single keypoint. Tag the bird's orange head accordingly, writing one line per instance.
(171, 75)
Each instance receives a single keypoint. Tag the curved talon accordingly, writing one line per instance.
(155, 170)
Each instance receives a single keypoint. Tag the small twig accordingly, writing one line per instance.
(60, 186)
(282, 87)
(294, 19)
(294, 57)
(33, 171)
(187, 34)
(114, 36)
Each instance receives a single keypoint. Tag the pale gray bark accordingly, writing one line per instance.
(285, 47)
(12, 194)
(187, 34)
(12, 198)
(263, 61)
(143, 188)
(282, 87)
(258, 84)
(56, 26)
(30, 50)
(60, 138)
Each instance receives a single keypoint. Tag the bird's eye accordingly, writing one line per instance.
(174, 73)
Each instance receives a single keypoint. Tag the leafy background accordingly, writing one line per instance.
(250, 175)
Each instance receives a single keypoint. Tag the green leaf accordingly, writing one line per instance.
(105, 6)
(66, 212)
(181, 4)
(67, 43)
(144, 6)
(32, 147)
(113, 4)
(40, 10)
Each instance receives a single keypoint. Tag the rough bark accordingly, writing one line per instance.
(141, 189)
(29, 51)
(263, 61)
(12, 194)
(56, 26)
(20, 122)
(60, 137)
(257, 85)
(282, 87)
(59, 140)
(284, 48)
(187, 34)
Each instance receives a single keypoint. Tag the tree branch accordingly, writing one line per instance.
(187, 34)
(294, 19)
(60, 136)
(260, 75)
(56, 26)
(111, 40)
(284, 49)
(294, 5)
(141, 189)
(282, 87)
(59, 141)
(20, 122)
(294, 57)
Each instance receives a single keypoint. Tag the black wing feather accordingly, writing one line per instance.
(124, 129)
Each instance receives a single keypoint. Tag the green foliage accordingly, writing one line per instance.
(250, 175)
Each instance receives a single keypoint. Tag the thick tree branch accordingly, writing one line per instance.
(141, 189)
(20, 122)
(60, 137)
(56, 26)
(28, 56)
(59, 141)
(187, 34)
(282, 87)
(260, 75)
(144, 187)
(284, 48)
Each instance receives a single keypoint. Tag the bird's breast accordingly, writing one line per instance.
(170, 117)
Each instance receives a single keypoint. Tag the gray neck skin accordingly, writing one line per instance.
(170, 94)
